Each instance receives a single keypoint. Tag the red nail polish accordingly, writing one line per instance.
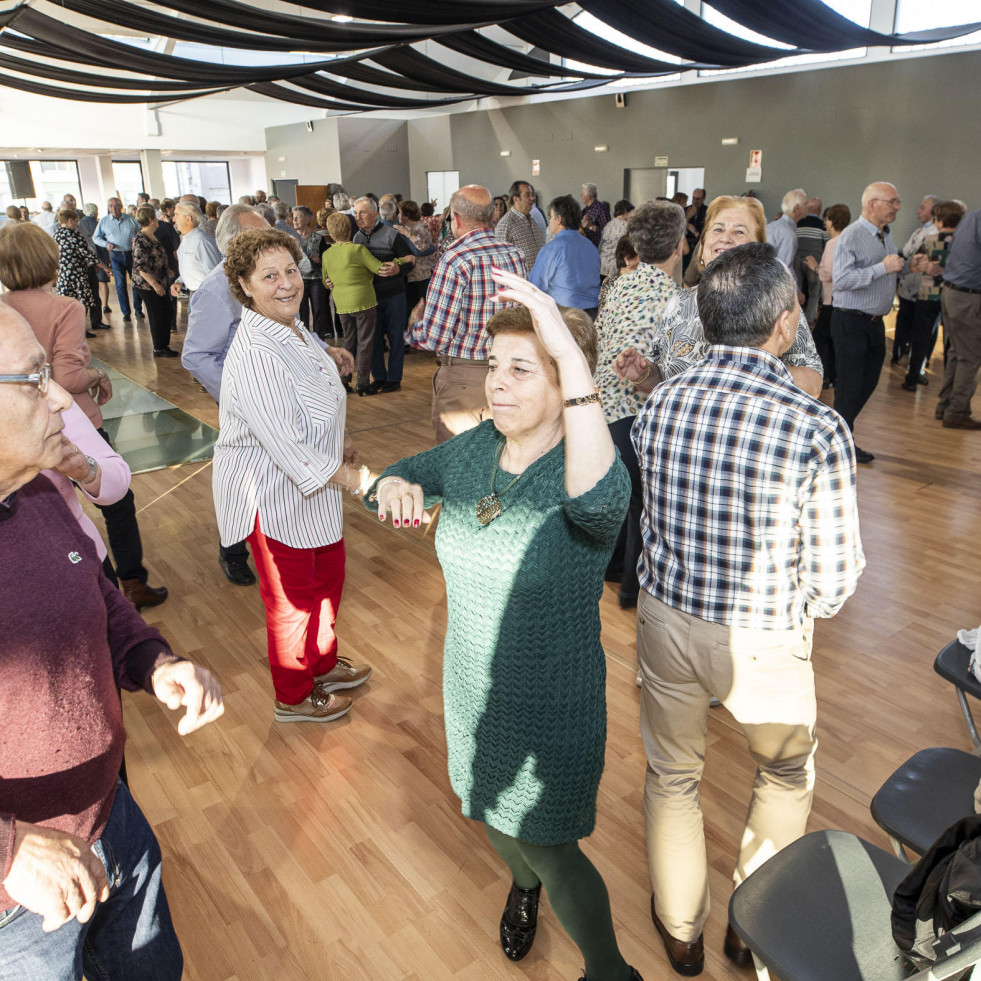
(415, 524)
(396, 523)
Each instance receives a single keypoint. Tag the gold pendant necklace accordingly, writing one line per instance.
(489, 506)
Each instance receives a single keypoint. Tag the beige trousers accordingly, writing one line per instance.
(765, 680)
(459, 400)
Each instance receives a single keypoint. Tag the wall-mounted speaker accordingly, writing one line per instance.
(621, 100)
(20, 179)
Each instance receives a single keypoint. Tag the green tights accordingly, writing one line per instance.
(578, 896)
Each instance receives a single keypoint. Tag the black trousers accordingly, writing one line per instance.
(315, 307)
(824, 344)
(923, 337)
(904, 328)
(860, 350)
(629, 541)
(124, 534)
(159, 312)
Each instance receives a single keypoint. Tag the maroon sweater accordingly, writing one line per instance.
(68, 637)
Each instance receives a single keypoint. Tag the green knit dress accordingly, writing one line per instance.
(524, 673)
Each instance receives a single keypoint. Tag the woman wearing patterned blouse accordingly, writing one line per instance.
(628, 320)
(150, 268)
(75, 259)
(680, 341)
(281, 465)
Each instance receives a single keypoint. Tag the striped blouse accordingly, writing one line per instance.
(281, 412)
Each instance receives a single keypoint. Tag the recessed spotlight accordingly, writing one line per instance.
(341, 18)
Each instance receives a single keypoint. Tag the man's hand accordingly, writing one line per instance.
(343, 359)
(811, 263)
(55, 875)
(418, 311)
(183, 683)
(893, 263)
(104, 392)
(389, 269)
(175, 289)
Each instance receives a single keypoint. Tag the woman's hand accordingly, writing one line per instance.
(351, 454)
(159, 290)
(549, 325)
(404, 500)
(75, 465)
(101, 388)
(343, 359)
(811, 263)
(630, 365)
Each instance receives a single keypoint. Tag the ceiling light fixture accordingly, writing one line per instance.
(341, 18)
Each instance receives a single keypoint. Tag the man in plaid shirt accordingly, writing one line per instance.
(458, 303)
(750, 531)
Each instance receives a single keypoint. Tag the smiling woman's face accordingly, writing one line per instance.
(275, 286)
(730, 227)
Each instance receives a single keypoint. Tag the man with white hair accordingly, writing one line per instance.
(45, 218)
(595, 214)
(782, 233)
(198, 254)
(864, 281)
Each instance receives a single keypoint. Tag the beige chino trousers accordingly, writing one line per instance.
(765, 679)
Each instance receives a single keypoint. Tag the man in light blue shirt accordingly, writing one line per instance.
(864, 280)
(568, 267)
(115, 233)
(212, 320)
(782, 233)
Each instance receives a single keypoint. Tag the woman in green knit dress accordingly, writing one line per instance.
(532, 502)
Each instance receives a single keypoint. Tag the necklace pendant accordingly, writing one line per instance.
(488, 508)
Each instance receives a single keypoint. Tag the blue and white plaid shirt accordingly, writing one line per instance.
(750, 515)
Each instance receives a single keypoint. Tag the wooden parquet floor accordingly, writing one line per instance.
(337, 852)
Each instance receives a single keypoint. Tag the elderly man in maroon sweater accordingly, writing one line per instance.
(80, 886)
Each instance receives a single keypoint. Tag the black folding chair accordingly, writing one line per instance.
(925, 796)
(951, 663)
(819, 910)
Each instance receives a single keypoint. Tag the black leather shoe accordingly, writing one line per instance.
(391, 387)
(89, 333)
(687, 958)
(107, 309)
(863, 456)
(373, 389)
(519, 922)
(165, 352)
(367, 390)
(238, 573)
(635, 975)
(102, 326)
(922, 379)
(141, 595)
(736, 950)
(908, 386)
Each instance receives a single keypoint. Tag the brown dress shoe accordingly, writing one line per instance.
(736, 950)
(965, 422)
(687, 958)
(141, 595)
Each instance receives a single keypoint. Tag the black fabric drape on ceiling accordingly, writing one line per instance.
(70, 43)
(330, 87)
(308, 34)
(81, 95)
(463, 13)
(667, 26)
(301, 29)
(554, 32)
(812, 24)
(475, 45)
(284, 92)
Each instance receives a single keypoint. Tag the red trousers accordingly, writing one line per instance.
(301, 590)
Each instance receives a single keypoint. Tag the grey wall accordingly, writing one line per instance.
(914, 122)
(374, 154)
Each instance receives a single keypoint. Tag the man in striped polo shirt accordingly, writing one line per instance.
(865, 269)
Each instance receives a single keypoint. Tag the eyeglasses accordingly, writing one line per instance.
(893, 201)
(40, 378)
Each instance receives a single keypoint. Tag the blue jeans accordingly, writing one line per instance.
(129, 936)
(390, 321)
(122, 264)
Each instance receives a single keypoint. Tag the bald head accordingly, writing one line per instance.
(814, 206)
(880, 203)
(473, 207)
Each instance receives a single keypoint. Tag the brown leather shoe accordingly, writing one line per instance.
(736, 950)
(965, 422)
(686, 958)
(141, 595)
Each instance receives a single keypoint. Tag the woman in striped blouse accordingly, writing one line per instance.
(282, 462)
